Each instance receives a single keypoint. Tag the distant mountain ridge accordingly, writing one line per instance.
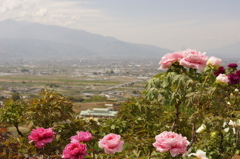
(36, 41)
(230, 52)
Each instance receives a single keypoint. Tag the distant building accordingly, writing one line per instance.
(88, 94)
(98, 113)
(108, 105)
(1, 103)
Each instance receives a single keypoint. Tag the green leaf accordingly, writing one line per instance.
(113, 127)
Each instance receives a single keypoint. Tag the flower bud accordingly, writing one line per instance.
(214, 62)
(222, 79)
(201, 128)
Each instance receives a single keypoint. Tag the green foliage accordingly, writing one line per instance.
(179, 100)
(196, 99)
(110, 72)
(67, 129)
(24, 70)
(15, 96)
(138, 126)
(96, 98)
(135, 92)
(51, 85)
(75, 99)
(51, 108)
(2, 98)
(13, 113)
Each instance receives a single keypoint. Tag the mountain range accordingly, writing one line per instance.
(33, 41)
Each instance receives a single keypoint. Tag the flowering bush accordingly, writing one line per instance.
(190, 110)
(198, 89)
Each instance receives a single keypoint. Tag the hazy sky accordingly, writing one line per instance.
(172, 24)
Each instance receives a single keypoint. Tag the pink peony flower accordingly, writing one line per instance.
(41, 136)
(222, 78)
(168, 59)
(214, 61)
(81, 137)
(170, 141)
(75, 150)
(193, 59)
(111, 143)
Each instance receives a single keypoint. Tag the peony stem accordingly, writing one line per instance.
(221, 143)
(18, 131)
(204, 81)
(193, 136)
(174, 126)
(237, 138)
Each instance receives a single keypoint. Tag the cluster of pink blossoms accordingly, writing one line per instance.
(111, 143)
(76, 149)
(188, 58)
(197, 60)
(232, 78)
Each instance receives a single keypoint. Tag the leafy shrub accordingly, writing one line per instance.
(194, 98)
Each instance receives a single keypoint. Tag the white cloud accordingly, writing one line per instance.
(22, 9)
(56, 16)
(75, 17)
(52, 12)
(41, 12)
(69, 23)
(10, 5)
